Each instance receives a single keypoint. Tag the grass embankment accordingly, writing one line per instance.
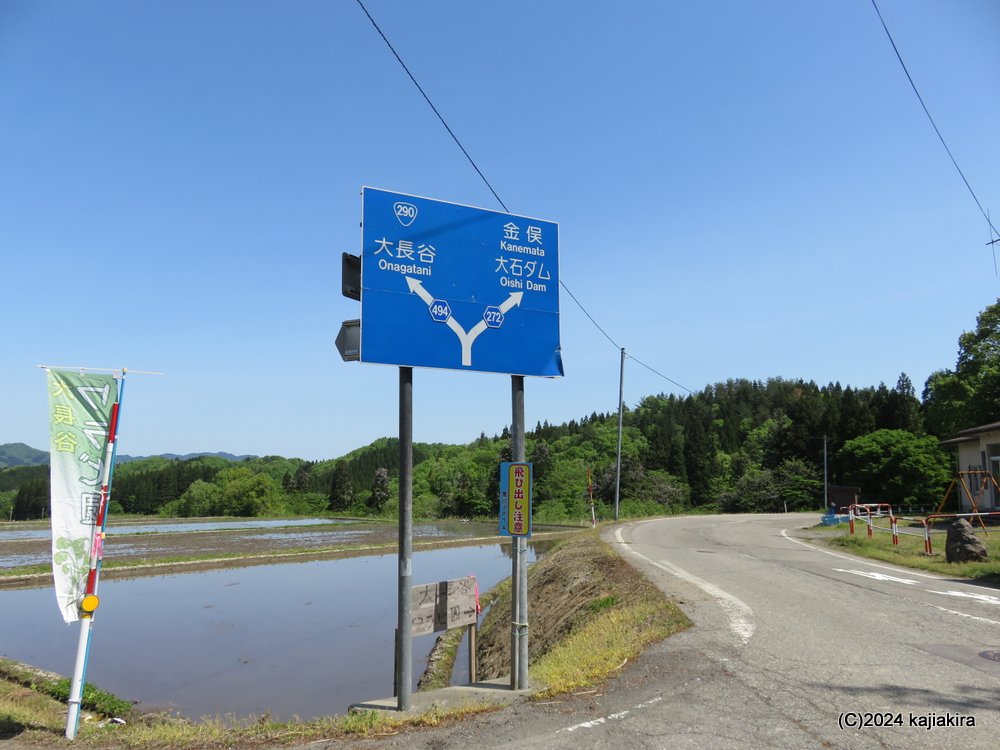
(910, 551)
(590, 614)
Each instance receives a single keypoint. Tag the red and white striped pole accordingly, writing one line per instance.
(97, 542)
(89, 602)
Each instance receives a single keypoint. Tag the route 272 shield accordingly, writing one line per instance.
(456, 287)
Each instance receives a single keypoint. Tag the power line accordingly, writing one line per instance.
(467, 156)
(933, 124)
(431, 104)
(487, 182)
(563, 285)
(643, 364)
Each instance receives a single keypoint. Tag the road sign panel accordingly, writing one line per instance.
(492, 279)
(350, 275)
(515, 499)
(444, 605)
(349, 340)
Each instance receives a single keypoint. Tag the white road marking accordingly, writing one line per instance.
(611, 717)
(877, 576)
(986, 598)
(909, 572)
(962, 614)
(740, 615)
(856, 560)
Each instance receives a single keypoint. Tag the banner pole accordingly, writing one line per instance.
(96, 557)
(79, 668)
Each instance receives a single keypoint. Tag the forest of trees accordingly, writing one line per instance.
(737, 446)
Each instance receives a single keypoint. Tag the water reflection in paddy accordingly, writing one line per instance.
(300, 639)
(155, 527)
(31, 547)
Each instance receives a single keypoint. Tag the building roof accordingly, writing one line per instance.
(970, 434)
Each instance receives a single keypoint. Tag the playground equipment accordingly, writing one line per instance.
(984, 478)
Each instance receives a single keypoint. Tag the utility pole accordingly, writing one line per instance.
(826, 487)
(621, 408)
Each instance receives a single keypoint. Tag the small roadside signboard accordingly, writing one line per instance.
(456, 287)
(443, 605)
(515, 499)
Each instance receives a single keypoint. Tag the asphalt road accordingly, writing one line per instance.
(793, 646)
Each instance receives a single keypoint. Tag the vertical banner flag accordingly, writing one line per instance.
(80, 409)
(515, 499)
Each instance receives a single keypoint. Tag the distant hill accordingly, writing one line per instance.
(181, 457)
(19, 454)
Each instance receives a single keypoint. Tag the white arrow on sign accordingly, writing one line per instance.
(466, 339)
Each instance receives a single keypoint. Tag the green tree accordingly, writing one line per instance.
(246, 493)
(946, 403)
(799, 485)
(754, 492)
(895, 467)
(32, 500)
(699, 452)
(901, 409)
(199, 499)
(541, 466)
(341, 487)
(380, 490)
(969, 395)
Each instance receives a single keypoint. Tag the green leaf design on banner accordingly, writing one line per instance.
(72, 559)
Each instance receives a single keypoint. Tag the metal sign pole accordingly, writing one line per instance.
(404, 634)
(515, 600)
(826, 486)
(520, 557)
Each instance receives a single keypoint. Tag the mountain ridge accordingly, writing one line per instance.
(21, 454)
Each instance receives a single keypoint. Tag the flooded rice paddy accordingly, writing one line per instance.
(10, 532)
(301, 639)
(135, 542)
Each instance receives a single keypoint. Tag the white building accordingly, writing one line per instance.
(978, 450)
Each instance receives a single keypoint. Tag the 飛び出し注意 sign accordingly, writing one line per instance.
(451, 286)
(515, 499)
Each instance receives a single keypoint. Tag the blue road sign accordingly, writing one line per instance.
(491, 278)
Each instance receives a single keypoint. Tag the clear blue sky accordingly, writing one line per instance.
(742, 189)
